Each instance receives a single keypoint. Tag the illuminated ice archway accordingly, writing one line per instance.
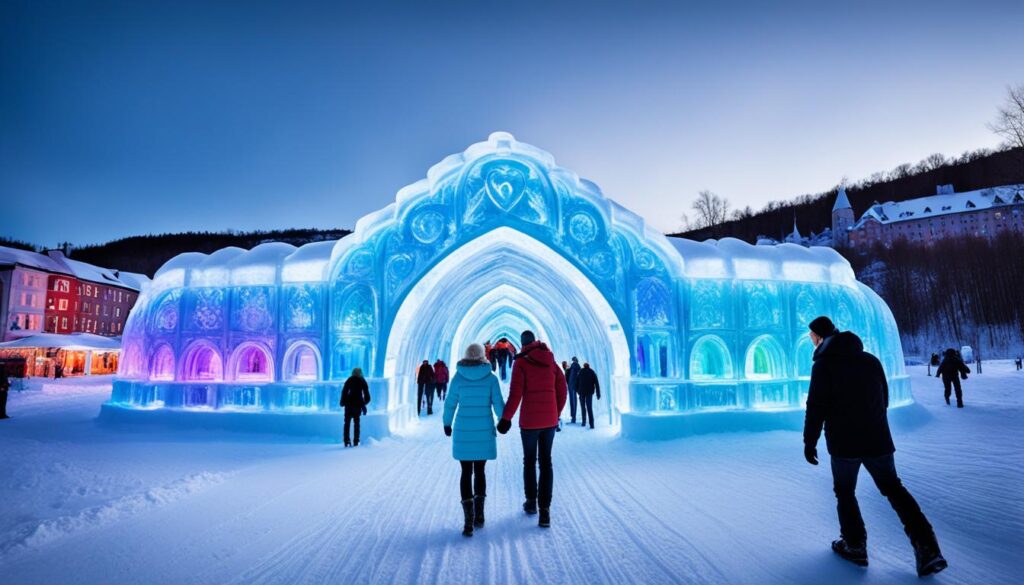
(251, 362)
(302, 362)
(493, 240)
(710, 359)
(516, 271)
(765, 360)
(202, 362)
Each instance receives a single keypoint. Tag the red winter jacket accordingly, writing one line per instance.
(537, 382)
(440, 372)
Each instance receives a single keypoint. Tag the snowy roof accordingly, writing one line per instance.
(842, 201)
(73, 341)
(54, 261)
(91, 273)
(732, 258)
(943, 204)
(308, 263)
(11, 256)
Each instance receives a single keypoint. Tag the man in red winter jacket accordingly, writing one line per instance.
(539, 384)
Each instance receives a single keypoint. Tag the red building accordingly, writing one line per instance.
(89, 299)
(61, 303)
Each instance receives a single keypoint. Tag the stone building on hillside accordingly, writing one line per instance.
(980, 213)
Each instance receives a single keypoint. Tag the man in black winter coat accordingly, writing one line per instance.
(571, 380)
(849, 395)
(586, 386)
(951, 370)
(5, 385)
(425, 388)
(355, 395)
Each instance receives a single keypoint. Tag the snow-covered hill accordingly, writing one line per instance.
(88, 504)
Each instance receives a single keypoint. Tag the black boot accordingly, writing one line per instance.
(545, 518)
(857, 555)
(467, 511)
(929, 558)
(530, 507)
(348, 443)
(478, 511)
(947, 401)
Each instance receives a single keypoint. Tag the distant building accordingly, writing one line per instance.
(50, 293)
(981, 213)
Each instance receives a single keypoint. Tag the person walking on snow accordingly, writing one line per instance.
(355, 395)
(5, 386)
(539, 385)
(1019, 362)
(952, 370)
(475, 393)
(504, 352)
(425, 388)
(489, 352)
(441, 378)
(586, 386)
(572, 381)
(849, 395)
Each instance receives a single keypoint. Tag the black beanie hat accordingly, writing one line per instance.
(823, 326)
(527, 337)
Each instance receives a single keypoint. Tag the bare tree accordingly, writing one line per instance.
(710, 209)
(1009, 122)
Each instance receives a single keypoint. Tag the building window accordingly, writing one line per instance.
(62, 305)
(64, 323)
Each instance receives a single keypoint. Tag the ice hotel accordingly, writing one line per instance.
(686, 336)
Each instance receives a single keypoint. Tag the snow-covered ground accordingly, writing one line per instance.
(84, 503)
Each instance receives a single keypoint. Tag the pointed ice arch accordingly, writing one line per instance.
(495, 240)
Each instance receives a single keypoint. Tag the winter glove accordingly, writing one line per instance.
(504, 425)
(599, 396)
(364, 410)
(811, 454)
(963, 376)
(447, 431)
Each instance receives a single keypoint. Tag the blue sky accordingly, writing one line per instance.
(123, 118)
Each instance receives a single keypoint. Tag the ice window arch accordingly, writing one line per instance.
(161, 366)
(765, 359)
(710, 360)
(202, 362)
(252, 362)
(302, 362)
(804, 358)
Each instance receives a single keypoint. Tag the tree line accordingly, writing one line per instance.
(964, 291)
(146, 254)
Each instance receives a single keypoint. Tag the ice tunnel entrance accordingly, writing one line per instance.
(497, 285)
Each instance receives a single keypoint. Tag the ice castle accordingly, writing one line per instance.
(686, 336)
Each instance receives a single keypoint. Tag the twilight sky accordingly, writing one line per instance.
(134, 117)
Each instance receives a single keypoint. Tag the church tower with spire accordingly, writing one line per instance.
(842, 219)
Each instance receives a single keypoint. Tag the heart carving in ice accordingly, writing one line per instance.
(506, 185)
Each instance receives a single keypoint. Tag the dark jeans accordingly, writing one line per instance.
(425, 390)
(537, 446)
(946, 382)
(503, 365)
(350, 418)
(473, 478)
(587, 409)
(572, 404)
(442, 390)
(883, 471)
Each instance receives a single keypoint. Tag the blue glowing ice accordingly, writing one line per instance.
(495, 240)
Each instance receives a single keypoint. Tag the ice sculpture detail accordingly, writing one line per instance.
(494, 240)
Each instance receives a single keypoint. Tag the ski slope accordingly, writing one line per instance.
(90, 504)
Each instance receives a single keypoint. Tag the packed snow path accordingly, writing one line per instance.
(89, 504)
